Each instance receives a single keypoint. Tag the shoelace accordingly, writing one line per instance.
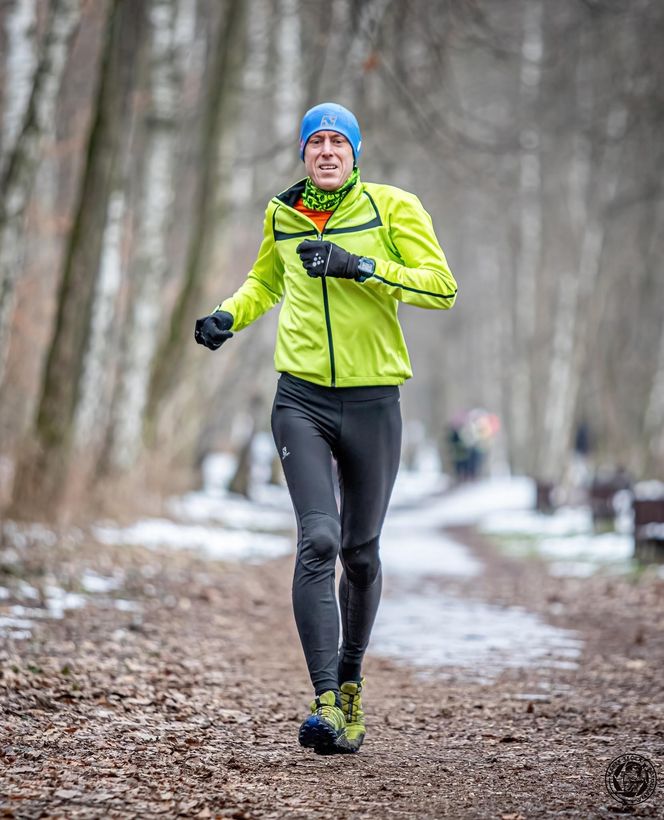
(324, 709)
(351, 703)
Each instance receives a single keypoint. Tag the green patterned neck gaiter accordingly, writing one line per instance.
(316, 199)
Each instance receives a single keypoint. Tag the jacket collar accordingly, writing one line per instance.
(291, 195)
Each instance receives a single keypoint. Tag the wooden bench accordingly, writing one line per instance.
(649, 528)
(544, 497)
(603, 491)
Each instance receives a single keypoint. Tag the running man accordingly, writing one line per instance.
(342, 254)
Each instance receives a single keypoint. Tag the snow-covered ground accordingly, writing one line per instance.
(429, 628)
(52, 601)
(416, 621)
(225, 526)
(213, 521)
(566, 539)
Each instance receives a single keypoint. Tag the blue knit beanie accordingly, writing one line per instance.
(331, 117)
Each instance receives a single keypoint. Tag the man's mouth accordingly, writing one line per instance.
(327, 167)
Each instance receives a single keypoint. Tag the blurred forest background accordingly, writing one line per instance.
(140, 141)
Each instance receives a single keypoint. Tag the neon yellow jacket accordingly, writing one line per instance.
(339, 332)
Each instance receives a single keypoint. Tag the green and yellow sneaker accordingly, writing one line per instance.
(351, 705)
(325, 726)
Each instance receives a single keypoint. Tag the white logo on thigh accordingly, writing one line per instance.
(284, 453)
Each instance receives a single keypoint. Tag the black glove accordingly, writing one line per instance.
(322, 258)
(212, 331)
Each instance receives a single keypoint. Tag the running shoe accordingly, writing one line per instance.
(351, 705)
(325, 726)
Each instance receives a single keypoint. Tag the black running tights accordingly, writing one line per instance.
(361, 428)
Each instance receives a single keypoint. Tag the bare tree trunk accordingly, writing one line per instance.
(530, 239)
(151, 265)
(288, 89)
(654, 415)
(43, 477)
(19, 68)
(492, 335)
(220, 111)
(575, 295)
(23, 157)
(653, 420)
(248, 425)
(93, 398)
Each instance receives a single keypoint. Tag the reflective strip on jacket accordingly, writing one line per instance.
(339, 332)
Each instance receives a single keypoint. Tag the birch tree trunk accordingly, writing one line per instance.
(288, 89)
(653, 420)
(42, 479)
(571, 333)
(93, 394)
(151, 264)
(19, 68)
(23, 157)
(219, 118)
(654, 416)
(247, 179)
(530, 239)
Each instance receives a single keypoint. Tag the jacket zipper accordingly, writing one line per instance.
(326, 304)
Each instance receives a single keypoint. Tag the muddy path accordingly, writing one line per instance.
(184, 700)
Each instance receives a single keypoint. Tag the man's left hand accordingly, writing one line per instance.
(322, 258)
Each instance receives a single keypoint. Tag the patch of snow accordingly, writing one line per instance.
(654, 530)
(566, 538)
(470, 503)
(230, 510)
(217, 470)
(59, 601)
(18, 629)
(418, 623)
(215, 542)
(26, 590)
(572, 569)
(565, 521)
(649, 490)
(21, 535)
(432, 629)
(31, 612)
(413, 486)
(272, 495)
(411, 550)
(92, 582)
(123, 605)
(598, 548)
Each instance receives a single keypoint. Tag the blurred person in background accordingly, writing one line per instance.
(470, 435)
(342, 254)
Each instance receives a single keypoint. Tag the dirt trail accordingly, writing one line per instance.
(190, 706)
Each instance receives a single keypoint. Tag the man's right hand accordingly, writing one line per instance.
(212, 331)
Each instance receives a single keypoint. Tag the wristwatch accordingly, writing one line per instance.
(365, 268)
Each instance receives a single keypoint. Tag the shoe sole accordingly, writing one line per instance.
(319, 736)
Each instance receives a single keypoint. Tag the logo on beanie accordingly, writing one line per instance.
(328, 120)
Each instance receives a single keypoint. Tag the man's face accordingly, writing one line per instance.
(328, 158)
